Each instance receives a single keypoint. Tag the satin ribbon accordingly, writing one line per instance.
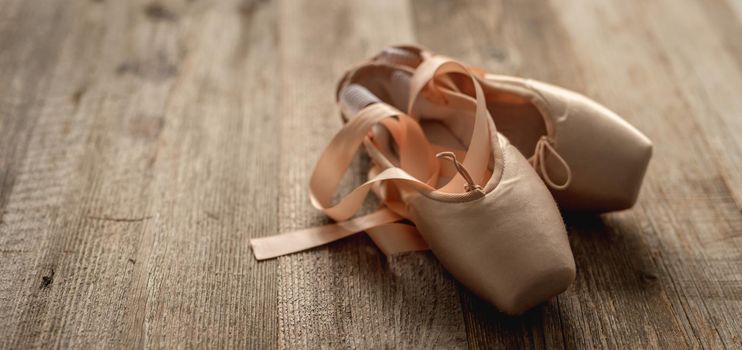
(417, 161)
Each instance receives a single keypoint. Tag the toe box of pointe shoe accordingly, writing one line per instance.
(509, 247)
(607, 155)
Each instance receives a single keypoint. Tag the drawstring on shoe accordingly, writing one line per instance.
(470, 184)
(538, 163)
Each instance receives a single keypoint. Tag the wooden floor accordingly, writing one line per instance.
(143, 143)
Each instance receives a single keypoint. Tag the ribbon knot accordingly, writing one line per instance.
(537, 160)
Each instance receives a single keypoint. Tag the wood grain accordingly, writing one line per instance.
(142, 143)
(138, 180)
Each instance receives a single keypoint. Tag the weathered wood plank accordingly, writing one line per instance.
(346, 295)
(688, 209)
(199, 284)
(143, 180)
(38, 151)
(707, 64)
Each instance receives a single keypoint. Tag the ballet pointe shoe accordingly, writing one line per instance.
(589, 157)
(488, 218)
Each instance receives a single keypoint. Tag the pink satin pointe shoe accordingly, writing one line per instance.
(475, 200)
(589, 157)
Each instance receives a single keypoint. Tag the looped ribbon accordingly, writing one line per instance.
(538, 162)
(416, 172)
(470, 184)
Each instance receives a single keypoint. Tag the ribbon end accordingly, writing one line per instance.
(259, 251)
